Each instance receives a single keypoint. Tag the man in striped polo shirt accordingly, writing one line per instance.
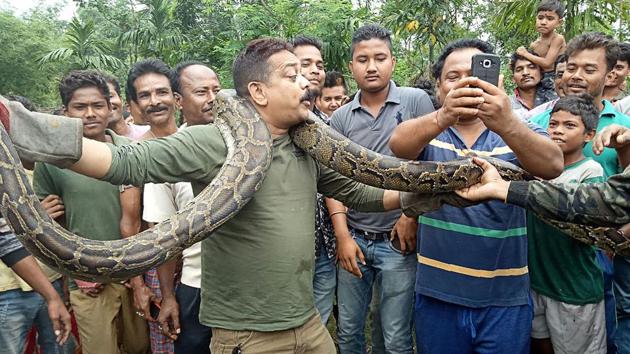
(472, 283)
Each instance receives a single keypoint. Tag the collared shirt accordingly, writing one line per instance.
(609, 115)
(475, 256)
(357, 124)
(520, 107)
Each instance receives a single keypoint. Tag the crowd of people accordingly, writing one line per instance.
(449, 277)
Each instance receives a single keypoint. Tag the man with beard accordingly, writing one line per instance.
(383, 243)
(257, 268)
(590, 57)
(117, 122)
(94, 209)
(472, 283)
(149, 86)
(527, 76)
(195, 86)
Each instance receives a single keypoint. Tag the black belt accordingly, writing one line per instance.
(371, 236)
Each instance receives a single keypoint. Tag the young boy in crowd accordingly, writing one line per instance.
(333, 94)
(548, 46)
(566, 281)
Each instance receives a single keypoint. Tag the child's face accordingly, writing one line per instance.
(547, 21)
(568, 131)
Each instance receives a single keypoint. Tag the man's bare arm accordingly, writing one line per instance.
(548, 60)
(411, 136)
(95, 161)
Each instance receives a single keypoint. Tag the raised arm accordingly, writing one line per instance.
(548, 60)
(195, 154)
(530, 146)
(410, 137)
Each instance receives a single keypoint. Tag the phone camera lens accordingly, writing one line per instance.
(487, 63)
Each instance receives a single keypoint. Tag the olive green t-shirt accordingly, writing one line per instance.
(257, 269)
(92, 207)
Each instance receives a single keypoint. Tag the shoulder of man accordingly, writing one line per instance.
(542, 119)
(339, 118)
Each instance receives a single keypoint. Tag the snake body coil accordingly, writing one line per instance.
(249, 156)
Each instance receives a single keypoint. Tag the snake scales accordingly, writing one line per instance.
(249, 157)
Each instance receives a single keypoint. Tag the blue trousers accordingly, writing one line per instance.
(395, 275)
(442, 327)
(19, 311)
(324, 285)
(194, 337)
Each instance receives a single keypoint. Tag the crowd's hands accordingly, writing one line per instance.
(90, 288)
(492, 186)
(461, 101)
(348, 251)
(142, 297)
(60, 318)
(168, 318)
(613, 136)
(53, 206)
(471, 97)
(405, 231)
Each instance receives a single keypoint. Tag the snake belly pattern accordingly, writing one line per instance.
(249, 156)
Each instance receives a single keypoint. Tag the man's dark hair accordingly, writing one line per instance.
(176, 83)
(551, 5)
(371, 31)
(114, 82)
(562, 58)
(515, 57)
(79, 79)
(252, 63)
(304, 40)
(624, 52)
(335, 78)
(595, 40)
(147, 66)
(26, 103)
(483, 46)
(582, 106)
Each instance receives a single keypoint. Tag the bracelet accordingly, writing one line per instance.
(338, 212)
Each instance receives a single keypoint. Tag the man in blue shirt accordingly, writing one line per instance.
(472, 283)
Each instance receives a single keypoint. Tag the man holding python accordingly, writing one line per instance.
(257, 268)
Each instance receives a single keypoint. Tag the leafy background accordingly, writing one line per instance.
(110, 35)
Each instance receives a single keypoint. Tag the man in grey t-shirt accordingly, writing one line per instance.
(369, 120)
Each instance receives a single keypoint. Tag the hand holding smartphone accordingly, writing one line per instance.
(487, 67)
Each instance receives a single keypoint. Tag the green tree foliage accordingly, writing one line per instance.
(23, 41)
(112, 35)
(82, 49)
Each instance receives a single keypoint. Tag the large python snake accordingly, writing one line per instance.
(249, 156)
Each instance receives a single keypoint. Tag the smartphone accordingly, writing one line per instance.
(487, 67)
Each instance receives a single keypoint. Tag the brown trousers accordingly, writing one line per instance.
(310, 338)
(108, 323)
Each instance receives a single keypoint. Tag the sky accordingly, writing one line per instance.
(22, 6)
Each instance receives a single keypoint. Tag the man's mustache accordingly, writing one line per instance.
(158, 108)
(309, 95)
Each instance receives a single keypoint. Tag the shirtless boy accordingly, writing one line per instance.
(548, 46)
